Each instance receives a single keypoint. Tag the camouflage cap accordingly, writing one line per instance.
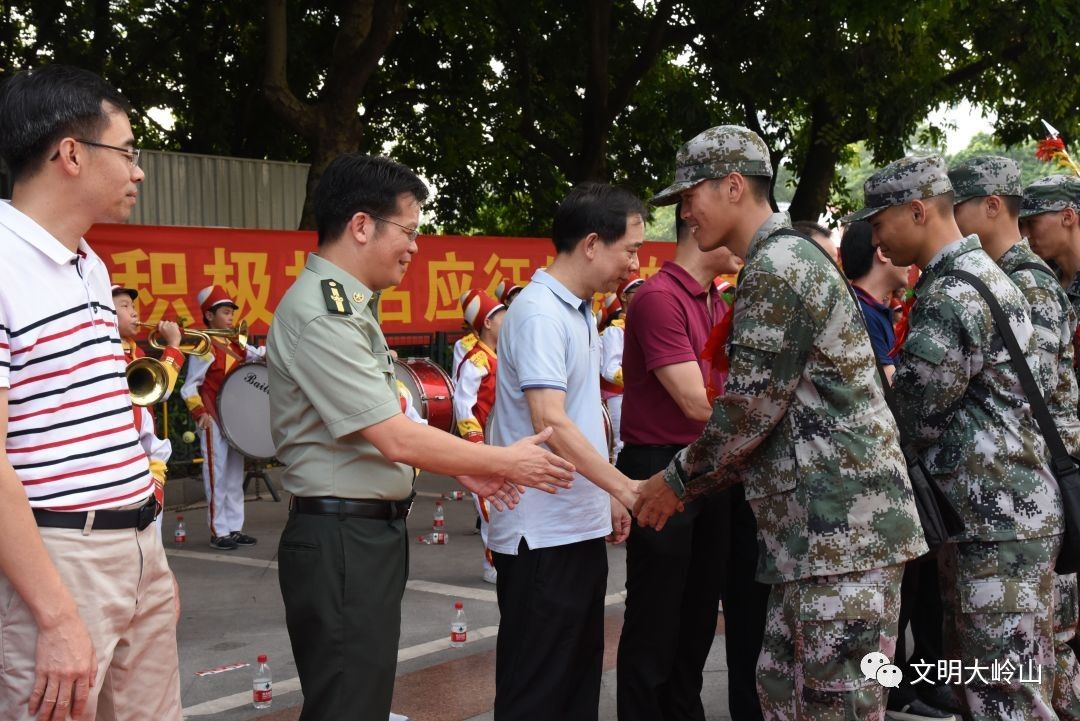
(713, 154)
(907, 179)
(985, 175)
(1051, 194)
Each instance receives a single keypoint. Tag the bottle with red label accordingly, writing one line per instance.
(438, 522)
(459, 626)
(262, 691)
(435, 538)
(180, 534)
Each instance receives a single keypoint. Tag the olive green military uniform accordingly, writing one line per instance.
(961, 402)
(342, 576)
(803, 424)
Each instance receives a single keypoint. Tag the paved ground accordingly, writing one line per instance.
(232, 612)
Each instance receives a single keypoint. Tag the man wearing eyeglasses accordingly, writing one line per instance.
(87, 601)
(348, 449)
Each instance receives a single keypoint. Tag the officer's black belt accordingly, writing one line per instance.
(330, 506)
(138, 518)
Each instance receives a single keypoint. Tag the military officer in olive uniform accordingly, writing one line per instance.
(961, 402)
(987, 204)
(803, 424)
(349, 451)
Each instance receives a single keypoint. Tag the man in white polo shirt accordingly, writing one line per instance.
(549, 551)
(87, 602)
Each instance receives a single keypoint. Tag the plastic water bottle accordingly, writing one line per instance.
(435, 538)
(438, 522)
(180, 534)
(262, 686)
(459, 626)
(454, 495)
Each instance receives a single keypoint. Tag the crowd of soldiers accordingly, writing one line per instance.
(805, 426)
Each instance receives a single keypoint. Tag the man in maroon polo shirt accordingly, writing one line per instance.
(672, 581)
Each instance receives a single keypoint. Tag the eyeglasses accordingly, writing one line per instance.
(131, 153)
(413, 232)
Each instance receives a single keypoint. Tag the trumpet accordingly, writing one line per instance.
(199, 342)
(147, 380)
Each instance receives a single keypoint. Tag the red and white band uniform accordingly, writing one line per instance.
(158, 450)
(474, 387)
(611, 375)
(474, 397)
(462, 346)
(223, 465)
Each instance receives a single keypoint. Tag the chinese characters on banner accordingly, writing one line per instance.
(169, 265)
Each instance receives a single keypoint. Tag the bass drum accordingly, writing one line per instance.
(243, 406)
(431, 389)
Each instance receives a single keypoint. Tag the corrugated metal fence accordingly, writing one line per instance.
(215, 191)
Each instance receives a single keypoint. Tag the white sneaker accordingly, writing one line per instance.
(490, 574)
(398, 717)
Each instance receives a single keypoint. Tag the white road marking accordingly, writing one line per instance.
(443, 589)
(237, 700)
(221, 558)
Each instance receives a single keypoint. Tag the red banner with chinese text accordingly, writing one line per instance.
(168, 265)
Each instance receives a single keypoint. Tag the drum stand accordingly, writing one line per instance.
(256, 473)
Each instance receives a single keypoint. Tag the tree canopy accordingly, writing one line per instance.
(504, 105)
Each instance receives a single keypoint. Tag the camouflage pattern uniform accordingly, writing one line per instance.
(804, 426)
(1051, 194)
(1054, 322)
(961, 403)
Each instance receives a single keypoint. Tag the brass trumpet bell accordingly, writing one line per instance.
(147, 381)
(199, 342)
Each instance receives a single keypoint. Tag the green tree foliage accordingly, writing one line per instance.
(503, 105)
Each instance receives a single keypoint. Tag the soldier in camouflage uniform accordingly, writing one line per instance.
(804, 426)
(960, 401)
(1050, 216)
(987, 204)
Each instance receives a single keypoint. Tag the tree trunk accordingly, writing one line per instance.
(817, 171)
(332, 143)
(331, 125)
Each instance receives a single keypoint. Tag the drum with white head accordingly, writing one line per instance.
(243, 406)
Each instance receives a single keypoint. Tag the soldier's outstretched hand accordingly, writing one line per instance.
(656, 503)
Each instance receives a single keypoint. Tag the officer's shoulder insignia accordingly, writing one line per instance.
(335, 301)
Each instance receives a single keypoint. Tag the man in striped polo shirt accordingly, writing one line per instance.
(87, 601)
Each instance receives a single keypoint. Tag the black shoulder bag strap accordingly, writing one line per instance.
(1039, 267)
(938, 517)
(1062, 465)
